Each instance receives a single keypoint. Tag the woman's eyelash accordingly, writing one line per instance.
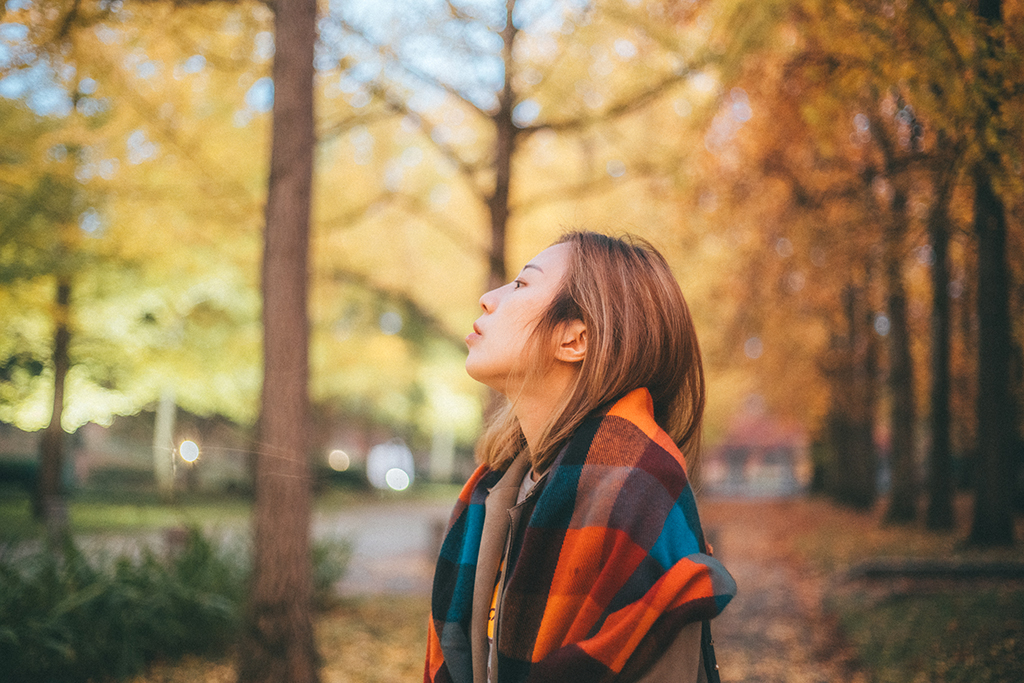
(517, 283)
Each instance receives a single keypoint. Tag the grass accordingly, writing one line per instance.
(107, 512)
(950, 634)
(917, 631)
(114, 512)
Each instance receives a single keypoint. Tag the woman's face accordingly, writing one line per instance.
(501, 336)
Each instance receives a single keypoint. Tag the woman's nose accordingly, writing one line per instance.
(489, 300)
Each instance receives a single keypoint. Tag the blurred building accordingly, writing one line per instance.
(759, 455)
(123, 455)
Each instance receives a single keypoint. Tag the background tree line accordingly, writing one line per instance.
(891, 175)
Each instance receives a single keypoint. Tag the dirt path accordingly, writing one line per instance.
(394, 545)
(774, 630)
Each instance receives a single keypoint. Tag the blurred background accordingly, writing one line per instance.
(838, 186)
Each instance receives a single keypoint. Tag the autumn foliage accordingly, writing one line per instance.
(838, 186)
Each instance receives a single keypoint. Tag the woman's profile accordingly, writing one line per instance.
(575, 552)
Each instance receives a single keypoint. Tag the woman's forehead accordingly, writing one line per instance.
(552, 259)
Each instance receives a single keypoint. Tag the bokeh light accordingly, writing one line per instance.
(753, 348)
(189, 451)
(397, 479)
(339, 460)
(385, 461)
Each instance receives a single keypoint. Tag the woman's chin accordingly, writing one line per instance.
(488, 380)
(476, 372)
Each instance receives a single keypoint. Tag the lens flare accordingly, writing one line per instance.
(189, 451)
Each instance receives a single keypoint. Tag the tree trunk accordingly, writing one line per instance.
(940, 455)
(277, 643)
(163, 444)
(838, 430)
(903, 494)
(48, 505)
(504, 149)
(864, 486)
(965, 377)
(993, 499)
(1016, 436)
(852, 422)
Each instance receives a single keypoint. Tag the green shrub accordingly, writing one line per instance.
(330, 562)
(66, 618)
(954, 634)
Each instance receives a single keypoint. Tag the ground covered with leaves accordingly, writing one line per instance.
(800, 616)
(918, 628)
(774, 630)
(946, 633)
(366, 640)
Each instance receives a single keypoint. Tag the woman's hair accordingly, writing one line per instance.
(639, 334)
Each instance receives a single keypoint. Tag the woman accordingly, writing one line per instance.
(575, 551)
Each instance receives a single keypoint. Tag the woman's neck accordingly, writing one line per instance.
(536, 404)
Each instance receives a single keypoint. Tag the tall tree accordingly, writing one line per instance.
(505, 134)
(558, 78)
(278, 642)
(940, 456)
(993, 502)
(904, 494)
(855, 475)
(49, 503)
(148, 282)
(39, 205)
(892, 185)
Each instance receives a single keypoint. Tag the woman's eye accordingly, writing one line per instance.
(516, 284)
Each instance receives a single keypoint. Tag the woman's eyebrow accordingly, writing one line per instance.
(530, 265)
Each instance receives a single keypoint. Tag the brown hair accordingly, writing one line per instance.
(639, 334)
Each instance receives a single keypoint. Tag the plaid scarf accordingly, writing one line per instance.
(609, 567)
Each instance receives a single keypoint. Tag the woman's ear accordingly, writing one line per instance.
(572, 342)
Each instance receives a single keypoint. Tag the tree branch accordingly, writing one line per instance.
(429, 320)
(623, 107)
(467, 170)
(64, 28)
(944, 33)
(419, 75)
